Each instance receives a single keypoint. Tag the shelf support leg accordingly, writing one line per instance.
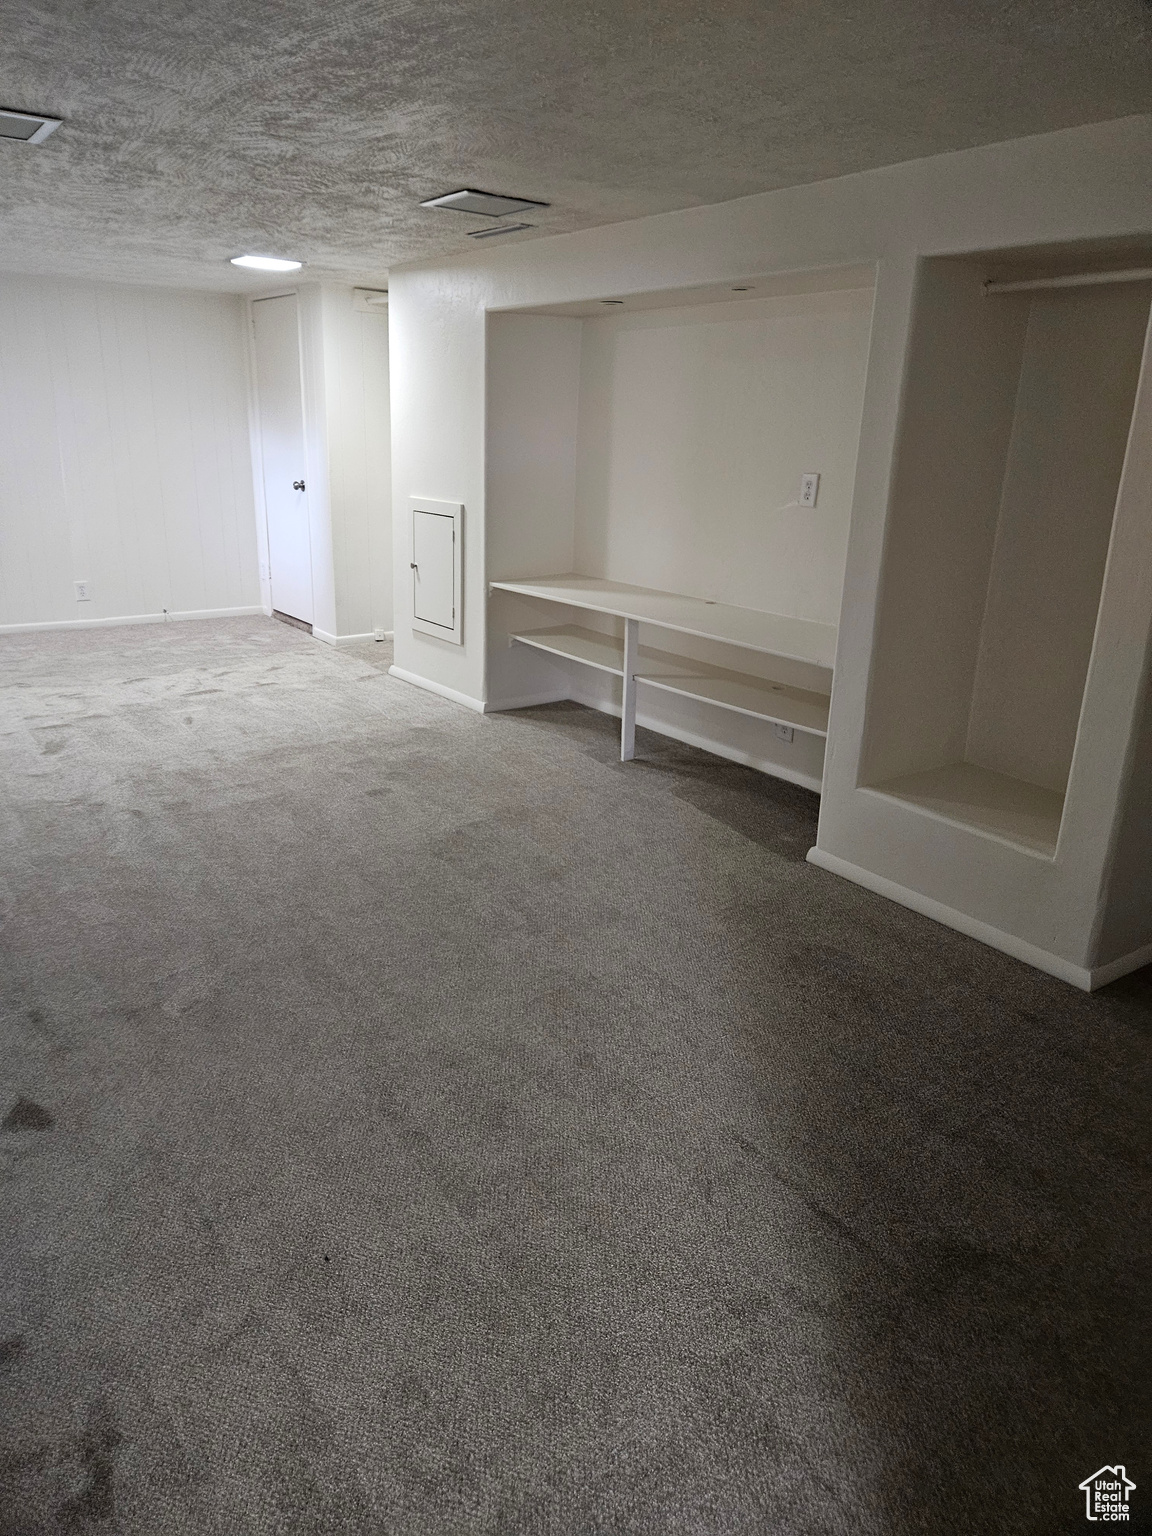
(628, 712)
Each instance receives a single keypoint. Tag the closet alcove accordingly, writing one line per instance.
(1019, 394)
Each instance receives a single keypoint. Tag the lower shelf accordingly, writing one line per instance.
(969, 796)
(743, 692)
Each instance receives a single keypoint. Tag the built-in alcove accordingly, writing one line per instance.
(1018, 403)
(651, 449)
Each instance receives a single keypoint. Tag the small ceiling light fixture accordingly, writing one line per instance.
(493, 205)
(266, 263)
(497, 229)
(30, 127)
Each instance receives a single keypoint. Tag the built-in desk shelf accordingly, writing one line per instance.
(747, 694)
(767, 634)
(772, 634)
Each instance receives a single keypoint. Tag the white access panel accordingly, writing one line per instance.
(437, 568)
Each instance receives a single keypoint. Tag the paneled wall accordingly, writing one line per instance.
(124, 441)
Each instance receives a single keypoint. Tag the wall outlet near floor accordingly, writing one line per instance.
(379, 633)
(83, 595)
(783, 732)
(809, 489)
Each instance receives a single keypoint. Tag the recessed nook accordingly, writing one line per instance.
(647, 552)
(1018, 409)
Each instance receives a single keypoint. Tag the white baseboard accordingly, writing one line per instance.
(134, 618)
(996, 938)
(1134, 960)
(338, 640)
(440, 688)
(527, 701)
(705, 743)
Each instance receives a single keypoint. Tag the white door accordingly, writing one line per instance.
(434, 569)
(282, 450)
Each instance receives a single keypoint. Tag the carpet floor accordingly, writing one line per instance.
(419, 1122)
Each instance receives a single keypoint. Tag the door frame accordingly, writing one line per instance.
(263, 539)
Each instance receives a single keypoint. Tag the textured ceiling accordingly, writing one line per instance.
(198, 129)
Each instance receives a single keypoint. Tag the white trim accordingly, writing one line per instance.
(1133, 961)
(135, 618)
(1070, 280)
(527, 701)
(705, 743)
(996, 938)
(445, 692)
(322, 634)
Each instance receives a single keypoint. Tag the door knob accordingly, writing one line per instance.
(297, 485)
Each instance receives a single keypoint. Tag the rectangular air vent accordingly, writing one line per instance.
(28, 126)
(498, 229)
(493, 205)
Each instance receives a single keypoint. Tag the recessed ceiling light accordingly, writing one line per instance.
(31, 127)
(498, 229)
(266, 263)
(491, 204)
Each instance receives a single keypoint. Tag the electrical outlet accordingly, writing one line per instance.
(263, 570)
(82, 593)
(783, 732)
(379, 633)
(809, 489)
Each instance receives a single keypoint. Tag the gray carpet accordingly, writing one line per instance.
(416, 1122)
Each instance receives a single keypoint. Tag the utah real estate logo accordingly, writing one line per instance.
(1106, 1493)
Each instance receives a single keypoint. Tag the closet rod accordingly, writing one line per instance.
(1071, 280)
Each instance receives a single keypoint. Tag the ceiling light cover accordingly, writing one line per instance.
(266, 263)
(30, 127)
(491, 204)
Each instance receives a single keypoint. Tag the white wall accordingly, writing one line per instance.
(533, 403)
(696, 424)
(359, 462)
(533, 408)
(124, 446)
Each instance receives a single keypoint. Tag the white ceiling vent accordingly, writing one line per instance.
(497, 229)
(491, 204)
(29, 126)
